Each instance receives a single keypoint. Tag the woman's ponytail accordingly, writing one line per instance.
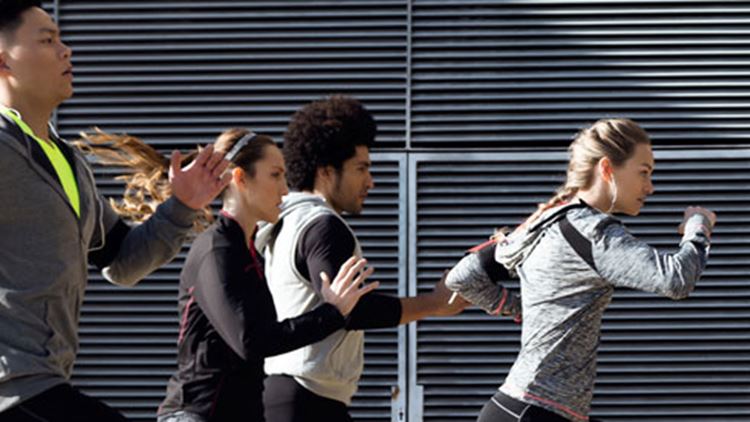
(146, 173)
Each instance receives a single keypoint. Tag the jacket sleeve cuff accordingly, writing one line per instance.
(178, 213)
(697, 228)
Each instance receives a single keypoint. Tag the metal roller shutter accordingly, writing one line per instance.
(381, 228)
(659, 360)
(128, 336)
(179, 72)
(528, 73)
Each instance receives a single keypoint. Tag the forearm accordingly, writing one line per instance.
(470, 279)
(417, 308)
(683, 269)
(241, 310)
(435, 303)
(628, 262)
(151, 244)
(375, 311)
(283, 336)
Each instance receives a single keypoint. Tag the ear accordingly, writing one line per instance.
(324, 174)
(238, 176)
(3, 61)
(606, 169)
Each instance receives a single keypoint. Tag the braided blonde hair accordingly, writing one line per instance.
(615, 139)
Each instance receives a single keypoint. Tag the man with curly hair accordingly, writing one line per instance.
(327, 153)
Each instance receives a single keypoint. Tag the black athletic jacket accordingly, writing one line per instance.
(228, 326)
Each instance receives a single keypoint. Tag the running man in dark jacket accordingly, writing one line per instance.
(54, 222)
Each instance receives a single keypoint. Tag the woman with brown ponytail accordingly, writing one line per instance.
(570, 255)
(228, 320)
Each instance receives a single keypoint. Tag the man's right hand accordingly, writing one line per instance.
(441, 297)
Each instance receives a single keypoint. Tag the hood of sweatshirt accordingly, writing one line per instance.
(513, 250)
(292, 201)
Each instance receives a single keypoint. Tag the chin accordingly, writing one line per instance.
(633, 212)
(358, 207)
(273, 218)
(64, 97)
(354, 210)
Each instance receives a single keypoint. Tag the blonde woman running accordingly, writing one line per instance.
(570, 255)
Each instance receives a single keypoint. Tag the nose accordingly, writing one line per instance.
(650, 187)
(66, 51)
(284, 189)
(370, 181)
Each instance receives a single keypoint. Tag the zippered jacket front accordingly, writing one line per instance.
(45, 248)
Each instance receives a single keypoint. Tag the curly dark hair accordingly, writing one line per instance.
(324, 133)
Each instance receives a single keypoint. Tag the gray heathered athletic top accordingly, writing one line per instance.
(563, 300)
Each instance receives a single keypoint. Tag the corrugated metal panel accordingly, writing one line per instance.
(378, 228)
(527, 73)
(128, 336)
(49, 7)
(659, 360)
(179, 72)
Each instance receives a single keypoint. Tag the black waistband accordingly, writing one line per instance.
(518, 408)
(508, 403)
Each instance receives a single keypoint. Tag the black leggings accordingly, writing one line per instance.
(502, 408)
(61, 403)
(287, 401)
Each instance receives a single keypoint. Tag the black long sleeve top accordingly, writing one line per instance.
(324, 246)
(229, 325)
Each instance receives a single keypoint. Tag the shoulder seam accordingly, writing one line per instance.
(580, 243)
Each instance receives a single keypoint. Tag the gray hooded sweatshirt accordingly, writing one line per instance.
(44, 248)
(563, 299)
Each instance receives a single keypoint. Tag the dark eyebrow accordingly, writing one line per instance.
(51, 31)
(648, 166)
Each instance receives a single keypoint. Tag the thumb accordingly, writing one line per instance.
(174, 163)
(325, 280)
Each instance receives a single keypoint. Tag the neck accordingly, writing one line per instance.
(598, 198)
(34, 115)
(242, 217)
(322, 193)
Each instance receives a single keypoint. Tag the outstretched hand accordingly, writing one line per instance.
(197, 184)
(344, 292)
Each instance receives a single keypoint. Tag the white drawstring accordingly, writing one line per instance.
(613, 188)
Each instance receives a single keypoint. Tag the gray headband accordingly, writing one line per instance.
(239, 145)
